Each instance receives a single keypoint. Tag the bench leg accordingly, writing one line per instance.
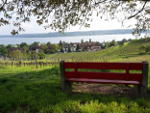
(144, 85)
(142, 91)
(67, 87)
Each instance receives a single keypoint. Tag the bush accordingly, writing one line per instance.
(145, 48)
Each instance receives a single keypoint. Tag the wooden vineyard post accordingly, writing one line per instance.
(144, 86)
(65, 85)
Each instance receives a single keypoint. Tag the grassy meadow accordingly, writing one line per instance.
(31, 89)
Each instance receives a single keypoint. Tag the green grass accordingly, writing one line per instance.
(37, 90)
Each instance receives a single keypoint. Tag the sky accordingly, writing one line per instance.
(96, 24)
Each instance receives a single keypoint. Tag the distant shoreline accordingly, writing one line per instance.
(71, 34)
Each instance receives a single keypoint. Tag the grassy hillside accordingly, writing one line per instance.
(117, 53)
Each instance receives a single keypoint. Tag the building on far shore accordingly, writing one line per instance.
(78, 47)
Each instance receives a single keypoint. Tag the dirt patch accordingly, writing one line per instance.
(105, 89)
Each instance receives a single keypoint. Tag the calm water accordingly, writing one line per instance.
(99, 38)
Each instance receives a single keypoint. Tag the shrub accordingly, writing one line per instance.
(145, 48)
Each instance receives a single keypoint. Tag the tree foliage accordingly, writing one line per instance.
(145, 48)
(38, 50)
(61, 14)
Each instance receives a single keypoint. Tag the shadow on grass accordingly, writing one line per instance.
(33, 91)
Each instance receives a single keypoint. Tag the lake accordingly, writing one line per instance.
(55, 37)
(99, 38)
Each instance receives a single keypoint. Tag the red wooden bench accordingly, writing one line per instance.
(126, 74)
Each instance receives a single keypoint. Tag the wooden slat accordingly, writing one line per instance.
(103, 75)
(104, 81)
(95, 65)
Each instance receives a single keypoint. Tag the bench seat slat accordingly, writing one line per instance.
(103, 81)
(104, 75)
(96, 65)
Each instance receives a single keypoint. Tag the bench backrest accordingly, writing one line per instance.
(109, 71)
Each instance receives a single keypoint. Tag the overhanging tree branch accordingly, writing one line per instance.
(4, 3)
(62, 14)
(138, 11)
(96, 3)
